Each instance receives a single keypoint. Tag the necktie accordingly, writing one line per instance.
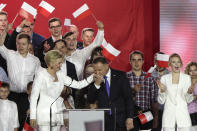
(107, 85)
(108, 90)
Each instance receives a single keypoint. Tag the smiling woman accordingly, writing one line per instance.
(175, 92)
(49, 84)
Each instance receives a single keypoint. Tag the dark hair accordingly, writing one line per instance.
(136, 52)
(60, 40)
(53, 20)
(29, 85)
(5, 85)
(3, 13)
(101, 59)
(97, 50)
(87, 29)
(23, 35)
(67, 34)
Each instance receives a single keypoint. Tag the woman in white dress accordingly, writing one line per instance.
(175, 92)
(47, 86)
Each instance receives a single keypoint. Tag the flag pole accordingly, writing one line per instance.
(15, 18)
(94, 17)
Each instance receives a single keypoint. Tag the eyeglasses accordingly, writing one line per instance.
(57, 26)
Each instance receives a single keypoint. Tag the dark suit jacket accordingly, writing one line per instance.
(41, 50)
(3, 63)
(120, 100)
(36, 41)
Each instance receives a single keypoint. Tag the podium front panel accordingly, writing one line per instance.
(85, 120)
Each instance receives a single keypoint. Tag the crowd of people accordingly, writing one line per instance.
(40, 77)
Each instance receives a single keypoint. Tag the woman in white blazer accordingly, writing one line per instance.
(175, 93)
(48, 86)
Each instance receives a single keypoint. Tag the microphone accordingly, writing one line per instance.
(51, 113)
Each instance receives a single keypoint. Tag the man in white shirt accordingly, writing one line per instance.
(79, 57)
(22, 67)
(87, 35)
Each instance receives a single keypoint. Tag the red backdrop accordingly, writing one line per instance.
(129, 24)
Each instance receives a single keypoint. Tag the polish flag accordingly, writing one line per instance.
(110, 52)
(82, 12)
(28, 12)
(162, 60)
(150, 71)
(67, 22)
(2, 6)
(145, 117)
(45, 8)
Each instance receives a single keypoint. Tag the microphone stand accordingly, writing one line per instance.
(51, 113)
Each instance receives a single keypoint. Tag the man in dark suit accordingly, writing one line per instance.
(26, 27)
(113, 93)
(3, 27)
(55, 28)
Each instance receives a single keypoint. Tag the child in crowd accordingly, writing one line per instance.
(8, 110)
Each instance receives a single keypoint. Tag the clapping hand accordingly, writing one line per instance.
(161, 86)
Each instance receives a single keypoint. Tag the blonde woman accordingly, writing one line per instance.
(175, 93)
(191, 69)
(48, 85)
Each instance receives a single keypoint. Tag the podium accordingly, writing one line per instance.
(86, 119)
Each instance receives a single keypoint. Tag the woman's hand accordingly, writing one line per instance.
(161, 86)
(33, 123)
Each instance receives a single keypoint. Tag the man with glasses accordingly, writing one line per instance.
(145, 88)
(55, 28)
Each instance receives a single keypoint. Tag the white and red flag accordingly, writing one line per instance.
(162, 60)
(67, 22)
(28, 12)
(2, 6)
(82, 12)
(110, 52)
(145, 117)
(45, 8)
(150, 71)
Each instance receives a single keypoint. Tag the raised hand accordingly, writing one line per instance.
(100, 25)
(161, 86)
(46, 47)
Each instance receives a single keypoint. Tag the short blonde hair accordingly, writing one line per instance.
(175, 55)
(52, 56)
(187, 68)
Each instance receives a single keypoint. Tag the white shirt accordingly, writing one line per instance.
(21, 70)
(49, 92)
(8, 115)
(79, 57)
